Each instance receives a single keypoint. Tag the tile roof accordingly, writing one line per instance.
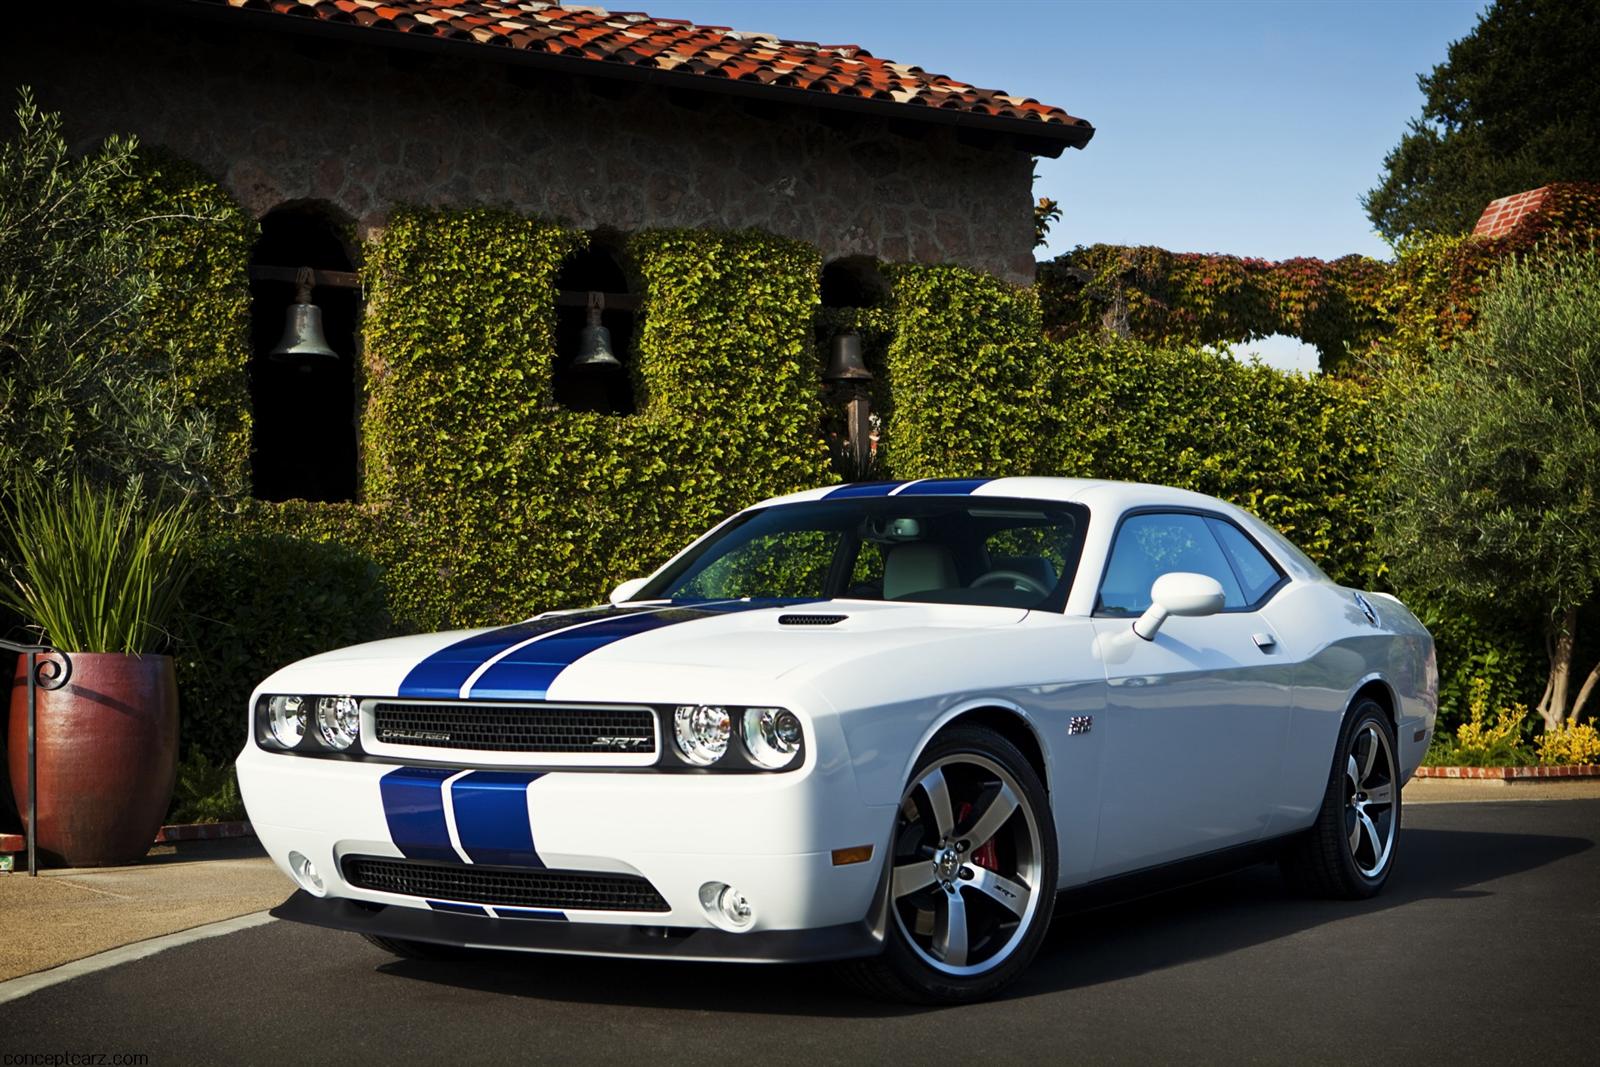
(628, 43)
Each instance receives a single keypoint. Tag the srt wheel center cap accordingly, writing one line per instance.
(946, 864)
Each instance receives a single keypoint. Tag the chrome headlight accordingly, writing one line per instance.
(338, 721)
(702, 732)
(286, 720)
(772, 736)
(308, 724)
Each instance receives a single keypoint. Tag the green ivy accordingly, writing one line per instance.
(199, 315)
(522, 506)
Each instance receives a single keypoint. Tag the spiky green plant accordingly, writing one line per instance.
(97, 570)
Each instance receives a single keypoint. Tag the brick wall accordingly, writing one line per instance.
(281, 117)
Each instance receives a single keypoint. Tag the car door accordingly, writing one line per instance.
(1196, 719)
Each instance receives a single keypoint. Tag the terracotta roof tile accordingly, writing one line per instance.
(635, 39)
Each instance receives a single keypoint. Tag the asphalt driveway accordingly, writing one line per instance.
(1484, 948)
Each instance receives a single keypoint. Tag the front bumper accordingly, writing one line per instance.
(770, 836)
(845, 941)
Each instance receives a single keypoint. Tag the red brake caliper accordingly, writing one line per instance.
(984, 856)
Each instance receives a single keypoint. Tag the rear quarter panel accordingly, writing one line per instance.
(1339, 651)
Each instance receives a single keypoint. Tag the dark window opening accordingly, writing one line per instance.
(854, 282)
(304, 407)
(582, 383)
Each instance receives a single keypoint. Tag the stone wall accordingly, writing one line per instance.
(283, 117)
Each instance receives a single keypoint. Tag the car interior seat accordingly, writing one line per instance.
(918, 567)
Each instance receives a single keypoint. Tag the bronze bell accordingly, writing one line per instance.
(844, 360)
(594, 348)
(302, 338)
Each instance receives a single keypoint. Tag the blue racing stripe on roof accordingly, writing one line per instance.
(441, 675)
(527, 673)
(491, 809)
(862, 489)
(413, 806)
(943, 486)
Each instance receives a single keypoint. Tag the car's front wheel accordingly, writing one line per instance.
(1349, 851)
(972, 876)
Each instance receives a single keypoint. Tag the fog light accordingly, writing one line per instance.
(726, 907)
(305, 872)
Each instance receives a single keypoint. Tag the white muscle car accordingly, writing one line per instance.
(880, 723)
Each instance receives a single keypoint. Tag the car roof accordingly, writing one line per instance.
(1093, 492)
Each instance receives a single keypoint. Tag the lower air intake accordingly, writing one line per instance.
(509, 886)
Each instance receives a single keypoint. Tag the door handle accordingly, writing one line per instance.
(1265, 642)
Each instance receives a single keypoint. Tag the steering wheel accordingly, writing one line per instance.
(1015, 579)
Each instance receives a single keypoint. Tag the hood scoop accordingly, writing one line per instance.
(810, 619)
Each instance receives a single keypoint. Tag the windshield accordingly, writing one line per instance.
(947, 550)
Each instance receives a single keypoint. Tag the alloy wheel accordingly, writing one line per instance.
(967, 862)
(1369, 808)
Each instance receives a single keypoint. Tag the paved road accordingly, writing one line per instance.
(1485, 947)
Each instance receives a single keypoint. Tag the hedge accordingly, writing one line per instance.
(521, 505)
(483, 500)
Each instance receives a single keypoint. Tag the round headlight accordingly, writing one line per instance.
(703, 731)
(772, 735)
(286, 720)
(338, 721)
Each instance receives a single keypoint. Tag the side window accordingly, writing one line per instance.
(1154, 544)
(791, 563)
(1257, 573)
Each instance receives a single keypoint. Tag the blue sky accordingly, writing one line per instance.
(1248, 128)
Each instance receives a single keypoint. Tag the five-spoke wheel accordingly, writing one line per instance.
(972, 878)
(1349, 850)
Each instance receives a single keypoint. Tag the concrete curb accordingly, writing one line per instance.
(1511, 774)
(17, 988)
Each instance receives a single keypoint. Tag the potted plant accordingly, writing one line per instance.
(97, 572)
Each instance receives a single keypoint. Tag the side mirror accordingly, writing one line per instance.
(626, 590)
(1178, 593)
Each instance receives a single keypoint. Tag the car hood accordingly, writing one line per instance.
(600, 653)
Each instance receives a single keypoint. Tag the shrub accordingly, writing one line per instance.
(1484, 739)
(272, 585)
(1569, 743)
(1492, 468)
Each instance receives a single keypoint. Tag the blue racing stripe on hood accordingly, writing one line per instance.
(862, 489)
(441, 675)
(943, 487)
(527, 673)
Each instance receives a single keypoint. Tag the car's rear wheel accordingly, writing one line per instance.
(1350, 850)
(972, 874)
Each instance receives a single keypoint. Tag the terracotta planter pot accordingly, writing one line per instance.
(108, 749)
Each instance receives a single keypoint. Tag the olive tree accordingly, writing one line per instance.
(81, 393)
(1493, 464)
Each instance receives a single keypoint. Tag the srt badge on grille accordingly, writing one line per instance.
(392, 734)
(620, 744)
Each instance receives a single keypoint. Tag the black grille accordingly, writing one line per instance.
(511, 887)
(810, 619)
(516, 727)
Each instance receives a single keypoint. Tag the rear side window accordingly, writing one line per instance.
(1258, 575)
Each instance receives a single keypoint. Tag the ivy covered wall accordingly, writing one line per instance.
(484, 500)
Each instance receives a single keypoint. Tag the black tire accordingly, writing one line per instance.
(418, 950)
(1019, 853)
(1350, 850)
